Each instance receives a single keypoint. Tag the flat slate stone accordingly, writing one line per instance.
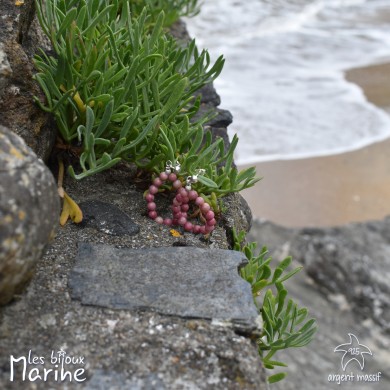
(107, 218)
(182, 281)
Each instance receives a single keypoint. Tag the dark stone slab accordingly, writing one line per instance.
(107, 218)
(182, 281)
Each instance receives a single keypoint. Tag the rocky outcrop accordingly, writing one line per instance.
(352, 260)
(29, 208)
(19, 113)
(5, 69)
(345, 286)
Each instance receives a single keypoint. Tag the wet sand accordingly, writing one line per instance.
(332, 190)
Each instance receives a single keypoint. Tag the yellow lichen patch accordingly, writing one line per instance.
(12, 244)
(18, 3)
(6, 219)
(15, 152)
(175, 233)
(21, 215)
(38, 124)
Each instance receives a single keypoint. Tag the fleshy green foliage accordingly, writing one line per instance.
(199, 151)
(112, 83)
(284, 324)
(174, 9)
(125, 91)
(277, 377)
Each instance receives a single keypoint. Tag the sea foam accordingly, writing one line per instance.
(284, 74)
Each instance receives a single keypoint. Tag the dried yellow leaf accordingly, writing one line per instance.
(65, 213)
(70, 209)
(175, 233)
(75, 212)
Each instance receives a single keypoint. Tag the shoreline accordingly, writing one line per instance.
(331, 190)
(294, 157)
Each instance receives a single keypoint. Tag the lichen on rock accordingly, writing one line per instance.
(5, 69)
(28, 212)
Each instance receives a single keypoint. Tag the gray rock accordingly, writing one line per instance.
(5, 70)
(184, 281)
(236, 215)
(29, 209)
(19, 113)
(354, 261)
(209, 95)
(223, 118)
(345, 286)
(26, 18)
(107, 218)
(179, 31)
(106, 380)
(221, 132)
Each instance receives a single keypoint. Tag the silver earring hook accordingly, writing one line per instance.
(168, 167)
(188, 183)
(198, 172)
(177, 166)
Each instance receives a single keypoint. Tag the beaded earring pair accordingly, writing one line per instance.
(180, 204)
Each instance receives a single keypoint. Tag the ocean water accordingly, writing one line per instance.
(284, 74)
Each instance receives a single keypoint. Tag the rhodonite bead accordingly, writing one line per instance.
(176, 184)
(153, 189)
(172, 177)
(181, 205)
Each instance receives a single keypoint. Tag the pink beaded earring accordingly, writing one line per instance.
(153, 190)
(180, 204)
(180, 211)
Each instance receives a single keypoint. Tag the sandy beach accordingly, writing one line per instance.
(332, 190)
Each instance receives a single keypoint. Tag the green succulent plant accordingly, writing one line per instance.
(285, 325)
(122, 89)
(174, 9)
(111, 84)
(125, 92)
